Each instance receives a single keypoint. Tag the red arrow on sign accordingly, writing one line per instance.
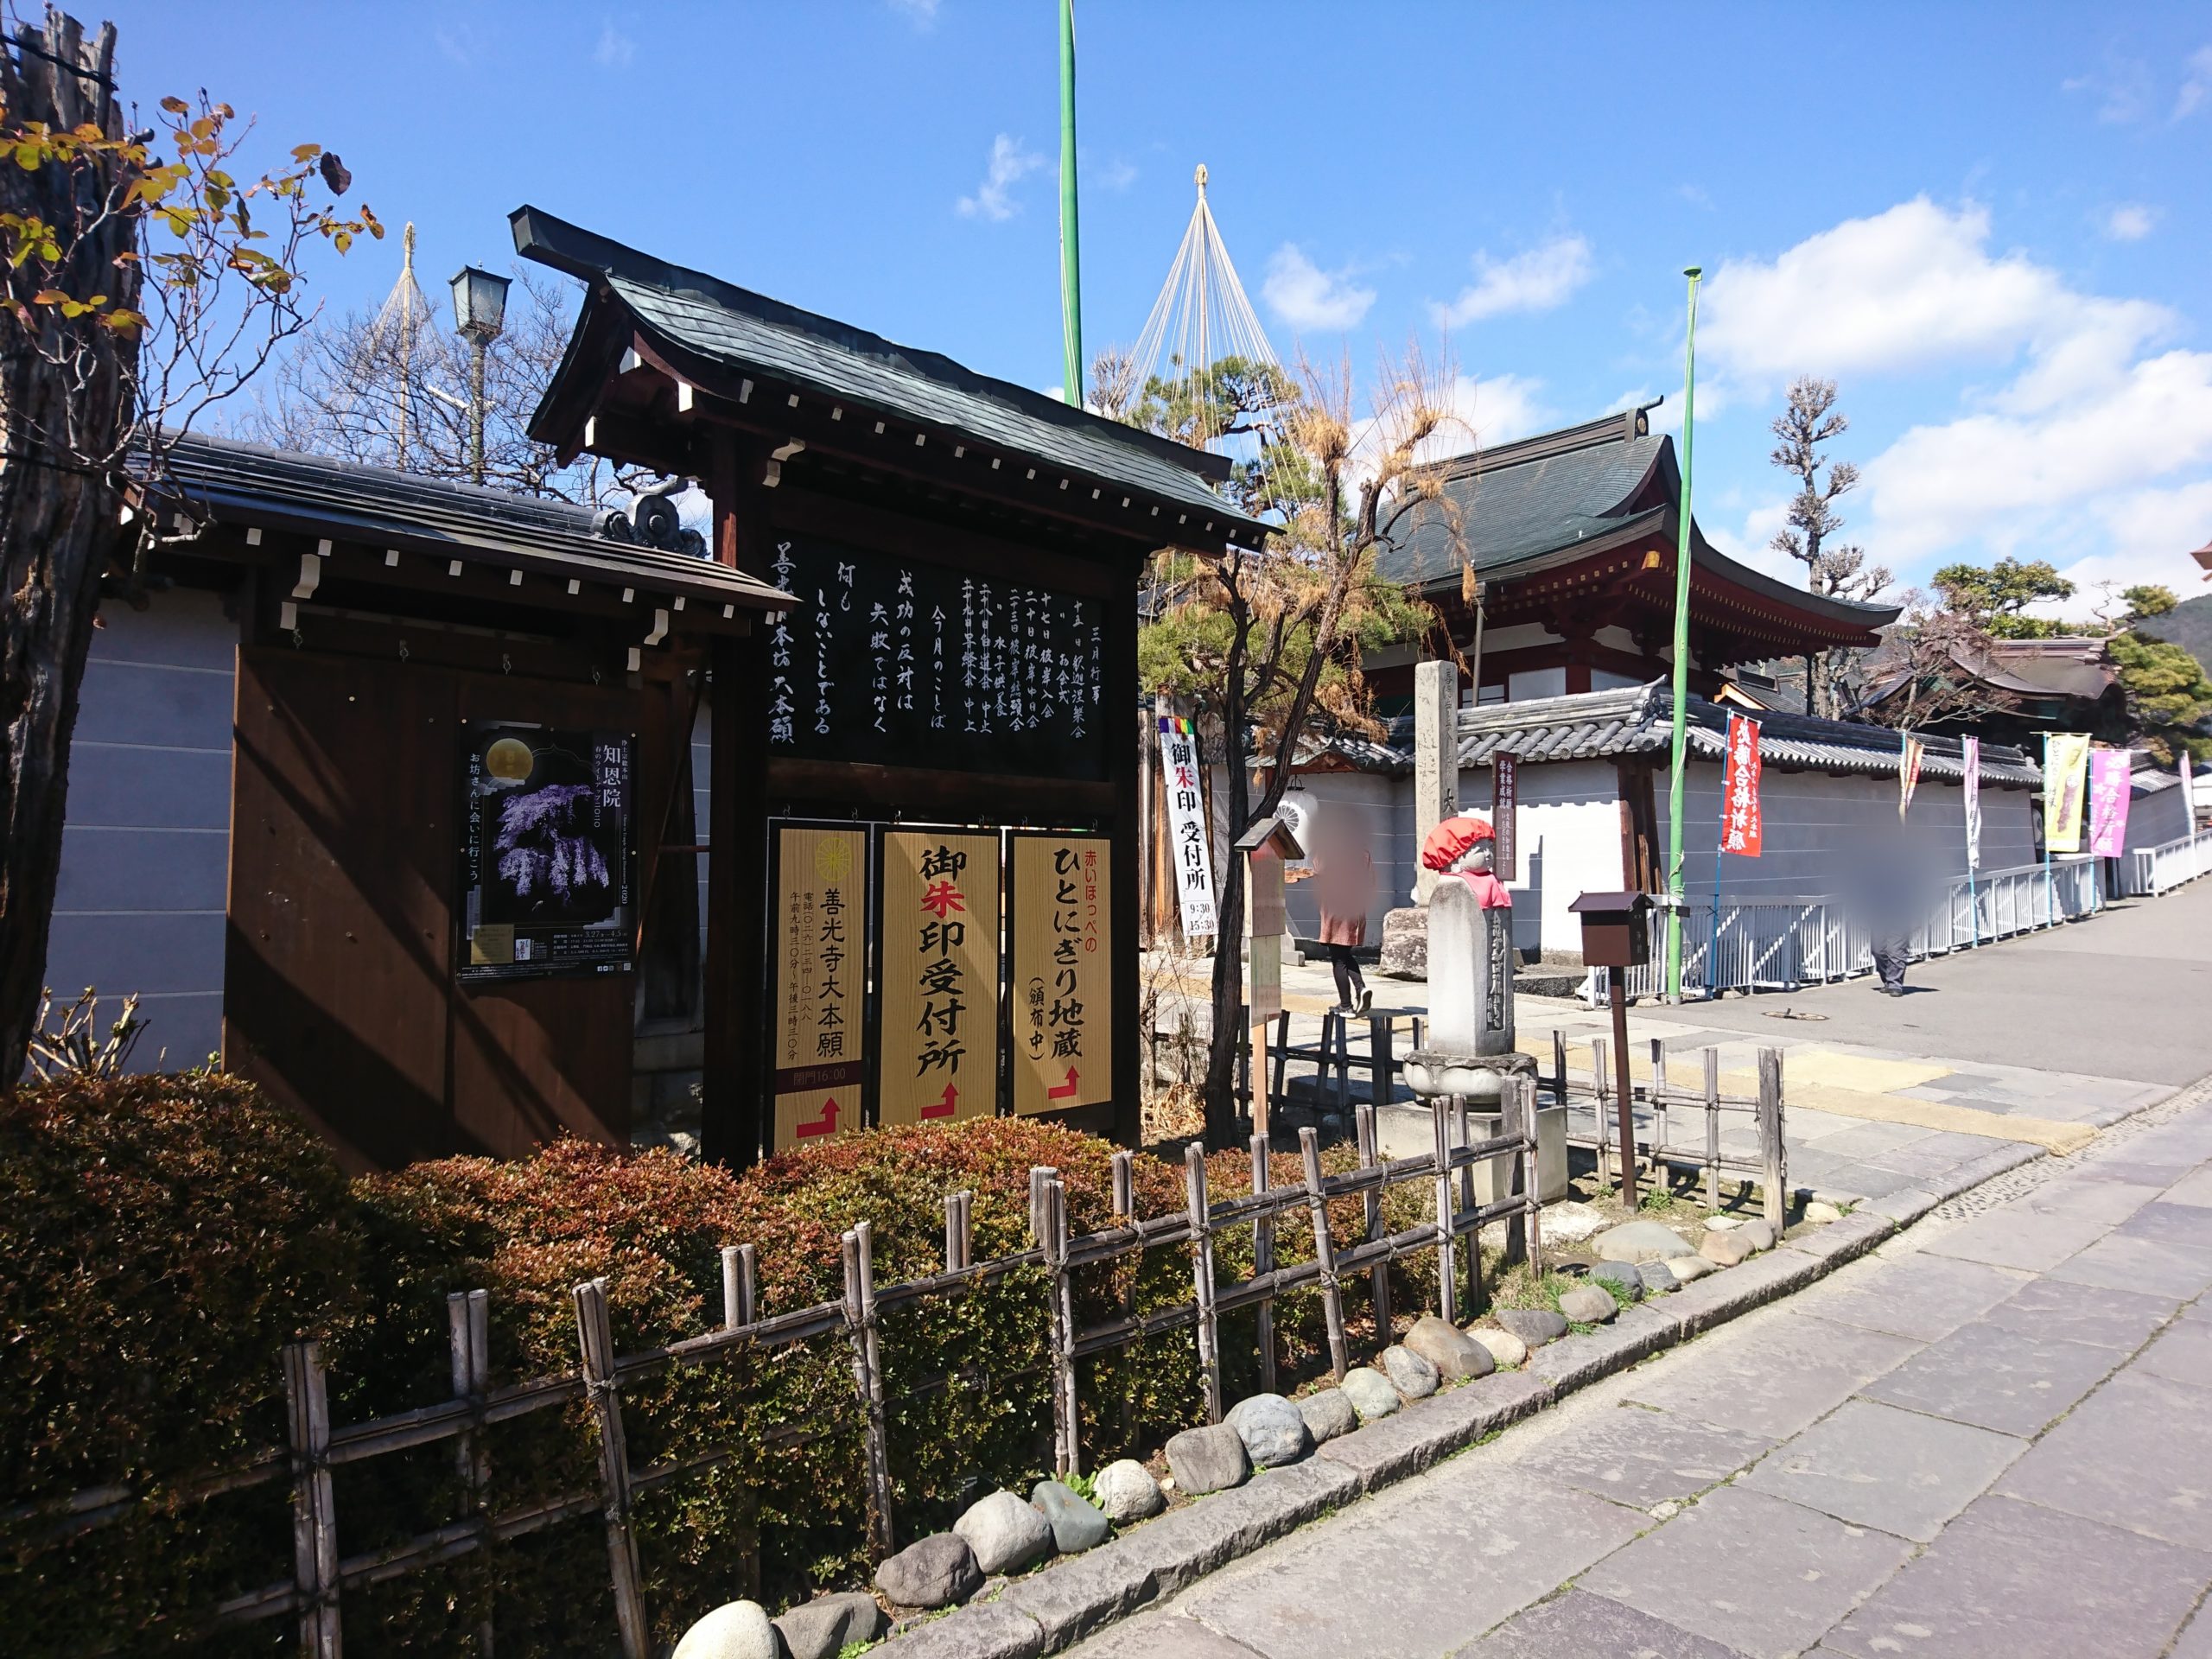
(826, 1124)
(1066, 1090)
(945, 1107)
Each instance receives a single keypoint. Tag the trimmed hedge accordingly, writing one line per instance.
(161, 1238)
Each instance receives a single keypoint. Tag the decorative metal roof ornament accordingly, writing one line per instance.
(653, 520)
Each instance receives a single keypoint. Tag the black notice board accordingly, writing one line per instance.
(547, 861)
(902, 663)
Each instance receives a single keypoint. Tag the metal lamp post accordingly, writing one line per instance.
(479, 311)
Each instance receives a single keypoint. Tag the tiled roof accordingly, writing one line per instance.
(1639, 720)
(748, 333)
(248, 484)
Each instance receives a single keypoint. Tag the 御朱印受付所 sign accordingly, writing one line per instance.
(938, 931)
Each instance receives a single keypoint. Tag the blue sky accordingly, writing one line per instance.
(1991, 225)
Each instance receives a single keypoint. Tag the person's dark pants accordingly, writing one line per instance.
(1345, 967)
(1892, 952)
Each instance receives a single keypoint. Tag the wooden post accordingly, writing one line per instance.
(1625, 1097)
(1659, 1110)
(595, 1345)
(1774, 1155)
(1448, 1287)
(1534, 1209)
(1516, 1115)
(1462, 1138)
(1324, 1252)
(1194, 1193)
(315, 1512)
(1381, 1059)
(1262, 1098)
(1713, 1127)
(868, 1381)
(1378, 1276)
(1597, 1073)
(1559, 1065)
(468, 1342)
(1263, 1262)
(1282, 1055)
(1125, 1185)
(740, 1276)
(1049, 1226)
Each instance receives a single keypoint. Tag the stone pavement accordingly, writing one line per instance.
(1992, 1436)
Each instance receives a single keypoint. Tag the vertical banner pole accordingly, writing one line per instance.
(1071, 238)
(1681, 688)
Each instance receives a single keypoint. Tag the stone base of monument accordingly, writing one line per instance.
(1405, 944)
(1478, 1078)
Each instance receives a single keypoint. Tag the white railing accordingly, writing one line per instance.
(1781, 944)
(2150, 871)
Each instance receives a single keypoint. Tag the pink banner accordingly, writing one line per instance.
(2110, 771)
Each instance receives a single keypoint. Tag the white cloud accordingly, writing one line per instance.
(2131, 221)
(920, 13)
(614, 48)
(1751, 541)
(1116, 175)
(2122, 89)
(2197, 83)
(1306, 297)
(1537, 280)
(1010, 163)
(1485, 411)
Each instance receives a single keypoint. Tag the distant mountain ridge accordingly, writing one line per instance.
(2189, 625)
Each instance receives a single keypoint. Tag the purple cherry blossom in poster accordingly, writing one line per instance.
(546, 865)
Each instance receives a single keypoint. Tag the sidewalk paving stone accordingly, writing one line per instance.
(1755, 1573)
(2189, 1226)
(1645, 1458)
(2110, 1202)
(2009, 1580)
(1163, 1636)
(2195, 1190)
(2122, 1263)
(1393, 1581)
(2182, 1354)
(2015, 1238)
(2137, 1455)
(1780, 1381)
(1878, 1466)
(1997, 1378)
(1920, 1296)
(1578, 1625)
(2090, 1314)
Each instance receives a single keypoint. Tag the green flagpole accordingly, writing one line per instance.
(1676, 753)
(1071, 238)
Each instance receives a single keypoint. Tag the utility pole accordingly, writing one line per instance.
(1071, 237)
(1676, 753)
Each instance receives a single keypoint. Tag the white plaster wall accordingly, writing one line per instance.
(1570, 843)
(1535, 683)
(145, 846)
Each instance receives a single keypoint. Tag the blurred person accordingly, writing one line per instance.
(1344, 881)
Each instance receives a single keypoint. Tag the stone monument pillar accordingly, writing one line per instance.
(1436, 798)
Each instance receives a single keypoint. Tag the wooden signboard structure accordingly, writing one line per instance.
(965, 554)
(1267, 848)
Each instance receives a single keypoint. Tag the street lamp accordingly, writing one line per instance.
(479, 309)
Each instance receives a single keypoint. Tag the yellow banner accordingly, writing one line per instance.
(1062, 977)
(2065, 786)
(818, 975)
(939, 984)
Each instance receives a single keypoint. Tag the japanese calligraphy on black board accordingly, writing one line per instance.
(817, 975)
(939, 932)
(898, 662)
(1063, 956)
(546, 855)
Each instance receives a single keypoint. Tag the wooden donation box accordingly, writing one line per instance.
(1616, 929)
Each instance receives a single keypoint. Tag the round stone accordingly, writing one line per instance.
(1328, 1413)
(1370, 1393)
(736, 1630)
(1128, 1493)
(1076, 1525)
(823, 1627)
(1725, 1249)
(1533, 1326)
(1414, 1376)
(1571, 1223)
(1690, 1267)
(1628, 1277)
(1444, 1345)
(1273, 1431)
(1005, 1534)
(1819, 1210)
(1659, 1276)
(1588, 1305)
(1210, 1459)
(1761, 1233)
(1506, 1349)
(1639, 1242)
(932, 1572)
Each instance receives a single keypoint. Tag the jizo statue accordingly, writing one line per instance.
(1470, 941)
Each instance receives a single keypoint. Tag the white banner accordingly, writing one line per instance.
(1186, 826)
(1970, 760)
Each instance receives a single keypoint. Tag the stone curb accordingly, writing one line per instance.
(1058, 1607)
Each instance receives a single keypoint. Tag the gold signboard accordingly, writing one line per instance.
(939, 980)
(1062, 990)
(817, 977)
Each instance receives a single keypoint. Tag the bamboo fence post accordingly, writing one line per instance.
(740, 1286)
(1559, 1064)
(1324, 1252)
(1514, 1114)
(1448, 1288)
(1125, 1185)
(1194, 1194)
(314, 1514)
(1263, 1262)
(1125, 1209)
(1051, 1232)
(868, 1381)
(1464, 1138)
(1378, 1277)
(468, 1337)
(1597, 1060)
(1532, 1204)
(1774, 1155)
(595, 1348)
(1713, 1127)
(1659, 1111)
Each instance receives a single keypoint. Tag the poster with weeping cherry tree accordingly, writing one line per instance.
(547, 855)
